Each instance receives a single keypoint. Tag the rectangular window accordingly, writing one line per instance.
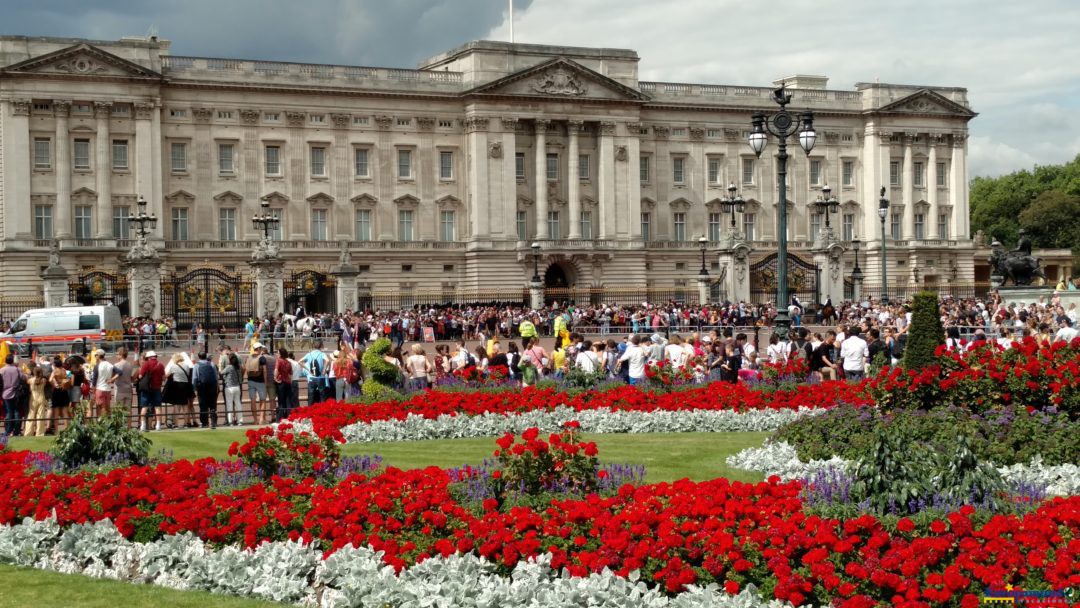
(43, 228)
(180, 224)
(643, 169)
(318, 162)
(405, 225)
(941, 175)
(749, 231)
(714, 170)
(120, 154)
(815, 172)
(583, 167)
(363, 224)
(273, 160)
(646, 227)
(678, 169)
(849, 173)
(81, 154)
(920, 174)
(522, 225)
(319, 220)
(815, 225)
(225, 158)
(715, 220)
(275, 231)
(586, 224)
(404, 164)
(894, 173)
(360, 162)
(446, 226)
(178, 156)
(894, 225)
(227, 224)
(446, 165)
(748, 171)
(552, 166)
(943, 225)
(121, 228)
(679, 225)
(42, 153)
(920, 226)
(519, 165)
(553, 225)
(84, 222)
(848, 230)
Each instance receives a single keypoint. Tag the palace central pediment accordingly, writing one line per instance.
(926, 101)
(81, 60)
(559, 78)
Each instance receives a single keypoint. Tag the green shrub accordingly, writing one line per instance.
(108, 439)
(925, 333)
(961, 477)
(891, 474)
(380, 374)
(372, 390)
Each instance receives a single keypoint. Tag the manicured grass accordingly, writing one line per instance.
(27, 587)
(667, 456)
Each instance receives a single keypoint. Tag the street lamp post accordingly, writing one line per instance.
(733, 202)
(144, 223)
(826, 204)
(265, 221)
(782, 125)
(883, 212)
(536, 262)
(856, 272)
(703, 243)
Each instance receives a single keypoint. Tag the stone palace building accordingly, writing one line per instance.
(409, 182)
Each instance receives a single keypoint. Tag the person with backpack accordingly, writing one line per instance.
(315, 367)
(258, 372)
(205, 380)
(283, 381)
(149, 379)
(231, 380)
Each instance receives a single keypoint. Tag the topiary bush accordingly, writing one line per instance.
(108, 439)
(381, 376)
(925, 333)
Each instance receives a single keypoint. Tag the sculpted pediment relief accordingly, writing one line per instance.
(560, 78)
(82, 60)
(275, 198)
(229, 197)
(364, 199)
(926, 101)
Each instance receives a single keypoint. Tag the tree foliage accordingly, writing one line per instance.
(926, 332)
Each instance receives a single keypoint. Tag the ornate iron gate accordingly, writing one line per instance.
(97, 288)
(210, 297)
(313, 290)
(802, 279)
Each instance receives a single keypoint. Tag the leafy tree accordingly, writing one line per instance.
(926, 332)
(1053, 220)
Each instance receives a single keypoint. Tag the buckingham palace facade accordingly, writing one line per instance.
(443, 177)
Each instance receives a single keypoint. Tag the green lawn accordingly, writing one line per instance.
(25, 587)
(667, 456)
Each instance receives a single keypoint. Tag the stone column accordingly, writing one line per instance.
(703, 290)
(536, 295)
(830, 259)
(143, 157)
(346, 275)
(573, 127)
(958, 188)
(541, 180)
(156, 197)
(479, 203)
(55, 283)
(606, 180)
(908, 186)
(62, 172)
(269, 286)
(735, 269)
(508, 177)
(931, 190)
(103, 171)
(633, 178)
(144, 280)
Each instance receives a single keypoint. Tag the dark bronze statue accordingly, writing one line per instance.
(1018, 265)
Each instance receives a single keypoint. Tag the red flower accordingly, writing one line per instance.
(731, 587)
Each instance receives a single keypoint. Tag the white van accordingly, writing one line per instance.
(67, 328)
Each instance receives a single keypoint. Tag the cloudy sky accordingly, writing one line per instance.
(1019, 60)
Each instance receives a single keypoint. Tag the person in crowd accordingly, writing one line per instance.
(1066, 331)
(283, 374)
(854, 353)
(38, 417)
(123, 389)
(296, 376)
(635, 359)
(418, 368)
(150, 379)
(315, 367)
(205, 382)
(60, 379)
(513, 358)
(258, 372)
(101, 379)
(821, 361)
(178, 391)
(232, 380)
(732, 364)
(442, 362)
(497, 358)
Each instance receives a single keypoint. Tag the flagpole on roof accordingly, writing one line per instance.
(511, 21)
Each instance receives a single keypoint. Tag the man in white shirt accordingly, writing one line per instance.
(1067, 333)
(747, 349)
(636, 357)
(101, 376)
(586, 359)
(854, 353)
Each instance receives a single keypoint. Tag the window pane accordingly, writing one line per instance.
(895, 225)
(643, 168)
(42, 153)
(404, 163)
(748, 226)
(941, 175)
(405, 225)
(747, 170)
(446, 165)
(519, 165)
(553, 225)
(225, 158)
(583, 167)
(678, 164)
(553, 166)
(180, 224)
(714, 226)
(894, 173)
(815, 225)
(918, 174)
(318, 224)
(522, 225)
(273, 160)
(121, 226)
(645, 227)
(446, 224)
(82, 153)
(318, 161)
(227, 224)
(179, 157)
(849, 227)
(83, 221)
(714, 171)
(680, 226)
(43, 222)
(586, 224)
(849, 173)
(815, 172)
(363, 225)
(361, 162)
(920, 221)
(120, 154)
(943, 225)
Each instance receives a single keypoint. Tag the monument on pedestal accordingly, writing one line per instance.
(143, 267)
(1020, 267)
(55, 278)
(734, 259)
(346, 274)
(267, 265)
(829, 258)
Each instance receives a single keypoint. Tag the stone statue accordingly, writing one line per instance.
(979, 238)
(141, 250)
(1018, 265)
(345, 258)
(265, 251)
(54, 253)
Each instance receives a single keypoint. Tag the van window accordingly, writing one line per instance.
(89, 322)
(19, 326)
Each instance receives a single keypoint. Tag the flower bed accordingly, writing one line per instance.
(330, 418)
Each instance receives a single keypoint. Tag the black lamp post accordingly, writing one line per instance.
(536, 262)
(782, 125)
(733, 202)
(826, 204)
(143, 222)
(883, 212)
(702, 245)
(265, 221)
(856, 272)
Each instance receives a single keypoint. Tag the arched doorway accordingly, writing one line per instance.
(555, 278)
(559, 281)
